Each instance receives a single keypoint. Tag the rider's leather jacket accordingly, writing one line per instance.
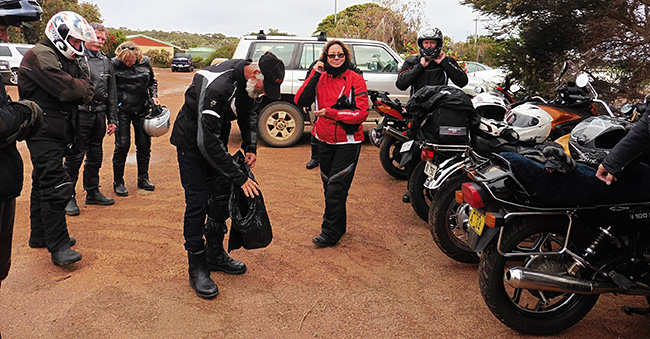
(631, 149)
(100, 68)
(135, 86)
(416, 76)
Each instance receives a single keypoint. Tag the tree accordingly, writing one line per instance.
(390, 21)
(602, 37)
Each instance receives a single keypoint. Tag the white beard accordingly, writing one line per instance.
(250, 87)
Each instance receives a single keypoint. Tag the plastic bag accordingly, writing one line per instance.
(251, 227)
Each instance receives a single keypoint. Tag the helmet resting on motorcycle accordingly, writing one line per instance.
(491, 106)
(157, 123)
(430, 33)
(593, 138)
(15, 12)
(64, 25)
(532, 123)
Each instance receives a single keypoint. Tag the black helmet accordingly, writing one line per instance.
(15, 12)
(593, 138)
(430, 33)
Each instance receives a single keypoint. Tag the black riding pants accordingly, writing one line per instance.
(337, 165)
(88, 142)
(51, 190)
(123, 143)
(202, 184)
(7, 213)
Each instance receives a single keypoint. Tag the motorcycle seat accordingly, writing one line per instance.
(579, 188)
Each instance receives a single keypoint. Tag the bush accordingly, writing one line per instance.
(159, 58)
(199, 62)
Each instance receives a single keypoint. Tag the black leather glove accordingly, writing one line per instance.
(34, 120)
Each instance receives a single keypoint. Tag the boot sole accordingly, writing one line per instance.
(122, 194)
(147, 188)
(206, 296)
(73, 213)
(101, 203)
(65, 263)
(233, 272)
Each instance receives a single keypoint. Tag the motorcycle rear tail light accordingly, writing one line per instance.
(459, 197)
(427, 154)
(472, 196)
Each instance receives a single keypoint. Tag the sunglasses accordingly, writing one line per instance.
(336, 56)
(128, 46)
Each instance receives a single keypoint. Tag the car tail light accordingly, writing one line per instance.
(472, 196)
(427, 154)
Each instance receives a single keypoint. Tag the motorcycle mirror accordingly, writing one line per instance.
(514, 88)
(582, 80)
(478, 90)
(627, 109)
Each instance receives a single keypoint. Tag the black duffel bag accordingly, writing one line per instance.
(251, 227)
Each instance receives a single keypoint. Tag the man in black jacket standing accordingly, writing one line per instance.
(430, 68)
(50, 76)
(218, 94)
(17, 121)
(92, 123)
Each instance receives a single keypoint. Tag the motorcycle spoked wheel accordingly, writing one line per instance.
(389, 156)
(421, 197)
(522, 309)
(448, 221)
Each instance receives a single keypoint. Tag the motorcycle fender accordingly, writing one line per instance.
(478, 243)
(407, 155)
(445, 170)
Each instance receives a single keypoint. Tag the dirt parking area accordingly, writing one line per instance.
(385, 279)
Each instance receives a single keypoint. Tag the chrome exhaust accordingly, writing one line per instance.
(518, 277)
(395, 134)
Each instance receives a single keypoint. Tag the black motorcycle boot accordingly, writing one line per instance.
(200, 279)
(120, 189)
(144, 183)
(65, 256)
(95, 197)
(313, 162)
(217, 258)
(72, 208)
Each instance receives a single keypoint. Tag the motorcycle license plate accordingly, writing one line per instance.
(406, 146)
(476, 221)
(430, 169)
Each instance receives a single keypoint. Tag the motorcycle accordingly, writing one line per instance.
(448, 219)
(390, 133)
(552, 243)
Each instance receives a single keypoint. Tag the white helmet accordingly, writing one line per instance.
(157, 123)
(64, 25)
(532, 123)
(491, 106)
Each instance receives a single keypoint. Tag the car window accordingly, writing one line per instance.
(374, 59)
(283, 50)
(23, 50)
(310, 52)
(4, 51)
(182, 55)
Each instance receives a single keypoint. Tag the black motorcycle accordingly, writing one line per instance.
(551, 243)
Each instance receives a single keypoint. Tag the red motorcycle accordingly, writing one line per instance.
(390, 133)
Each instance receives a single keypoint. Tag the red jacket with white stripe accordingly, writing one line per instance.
(326, 90)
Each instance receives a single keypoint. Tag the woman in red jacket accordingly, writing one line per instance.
(341, 106)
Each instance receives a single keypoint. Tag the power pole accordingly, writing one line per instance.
(335, 2)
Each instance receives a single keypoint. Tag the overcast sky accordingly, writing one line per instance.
(235, 18)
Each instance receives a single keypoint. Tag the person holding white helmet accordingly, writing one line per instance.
(432, 67)
(17, 121)
(51, 77)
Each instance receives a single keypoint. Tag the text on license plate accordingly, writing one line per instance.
(476, 221)
(430, 169)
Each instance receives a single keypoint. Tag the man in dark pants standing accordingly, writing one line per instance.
(92, 123)
(17, 121)
(50, 76)
(218, 94)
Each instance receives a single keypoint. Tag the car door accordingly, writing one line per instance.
(379, 68)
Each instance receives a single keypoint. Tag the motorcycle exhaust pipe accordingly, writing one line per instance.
(395, 134)
(518, 277)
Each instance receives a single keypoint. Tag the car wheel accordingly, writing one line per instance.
(281, 124)
(13, 80)
(173, 69)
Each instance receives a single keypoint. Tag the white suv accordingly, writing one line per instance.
(13, 53)
(282, 123)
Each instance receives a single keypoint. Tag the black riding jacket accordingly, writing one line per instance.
(217, 96)
(135, 86)
(102, 75)
(57, 84)
(416, 76)
(634, 147)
